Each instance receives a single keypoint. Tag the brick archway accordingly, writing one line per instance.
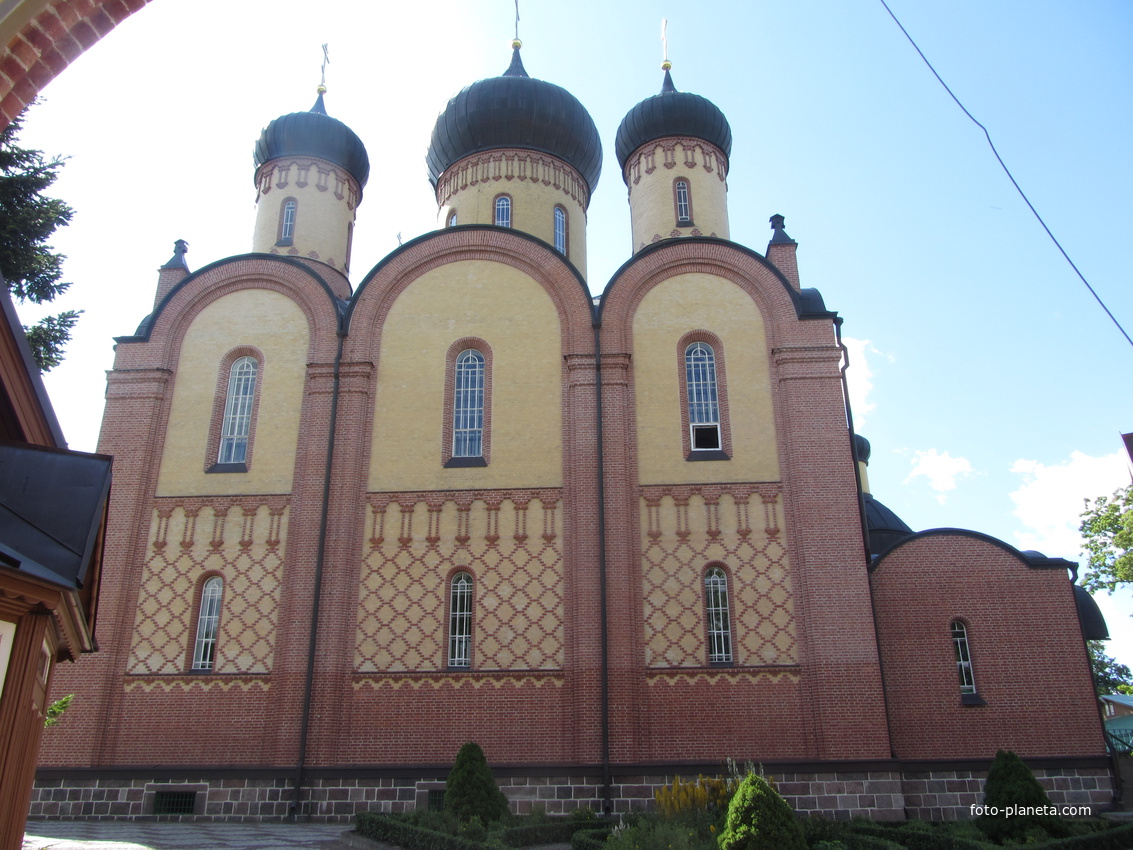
(42, 37)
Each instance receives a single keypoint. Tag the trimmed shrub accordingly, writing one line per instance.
(1023, 808)
(759, 819)
(471, 790)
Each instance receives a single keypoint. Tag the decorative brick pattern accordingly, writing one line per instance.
(687, 528)
(240, 540)
(508, 541)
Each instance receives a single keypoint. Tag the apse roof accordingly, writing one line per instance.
(672, 113)
(316, 134)
(515, 110)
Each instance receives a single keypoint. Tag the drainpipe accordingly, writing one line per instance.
(607, 784)
(320, 558)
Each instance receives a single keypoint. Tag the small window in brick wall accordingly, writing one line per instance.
(174, 802)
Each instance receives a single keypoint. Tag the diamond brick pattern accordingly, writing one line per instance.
(684, 529)
(508, 541)
(238, 539)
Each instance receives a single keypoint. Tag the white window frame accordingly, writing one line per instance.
(468, 404)
(236, 423)
(460, 621)
(287, 225)
(684, 204)
(963, 653)
(560, 226)
(208, 624)
(503, 211)
(703, 398)
(718, 618)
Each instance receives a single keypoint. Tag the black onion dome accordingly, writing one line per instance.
(516, 111)
(672, 113)
(314, 133)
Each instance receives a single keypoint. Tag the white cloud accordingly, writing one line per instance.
(859, 378)
(1049, 502)
(941, 469)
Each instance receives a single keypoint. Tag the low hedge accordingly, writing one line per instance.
(1119, 838)
(589, 839)
(392, 830)
(918, 839)
(405, 835)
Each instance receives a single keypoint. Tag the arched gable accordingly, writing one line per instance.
(783, 307)
(375, 295)
(161, 333)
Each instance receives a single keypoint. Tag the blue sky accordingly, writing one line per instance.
(987, 379)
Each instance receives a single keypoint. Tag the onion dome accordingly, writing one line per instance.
(315, 134)
(672, 113)
(516, 111)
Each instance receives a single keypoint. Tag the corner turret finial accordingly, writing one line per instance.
(779, 235)
(323, 76)
(177, 261)
(515, 69)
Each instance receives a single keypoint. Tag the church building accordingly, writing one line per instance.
(361, 517)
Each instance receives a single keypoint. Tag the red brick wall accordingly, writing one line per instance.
(51, 41)
(1027, 651)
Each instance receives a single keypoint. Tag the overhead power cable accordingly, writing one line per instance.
(1007, 171)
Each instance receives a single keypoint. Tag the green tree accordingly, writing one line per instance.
(30, 269)
(1024, 813)
(471, 790)
(759, 819)
(1107, 539)
(1110, 675)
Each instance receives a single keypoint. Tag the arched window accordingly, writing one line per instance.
(452, 219)
(703, 400)
(468, 405)
(287, 221)
(963, 658)
(503, 211)
(237, 421)
(684, 205)
(717, 616)
(460, 621)
(208, 622)
(560, 230)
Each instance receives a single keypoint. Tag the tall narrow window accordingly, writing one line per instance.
(560, 230)
(703, 402)
(963, 658)
(717, 616)
(468, 405)
(208, 621)
(236, 424)
(460, 621)
(287, 221)
(684, 208)
(503, 211)
(452, 219)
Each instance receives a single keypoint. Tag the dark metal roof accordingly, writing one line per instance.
(1089, 615)
(52, 504)
(672, 113)
(885, 527)
(516, 111)
(315, 134)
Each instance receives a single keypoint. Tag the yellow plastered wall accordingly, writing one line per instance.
(322, 219)
(518, 320)
(532, 211)
(276, 326)
(652, 201)
(670, 310)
